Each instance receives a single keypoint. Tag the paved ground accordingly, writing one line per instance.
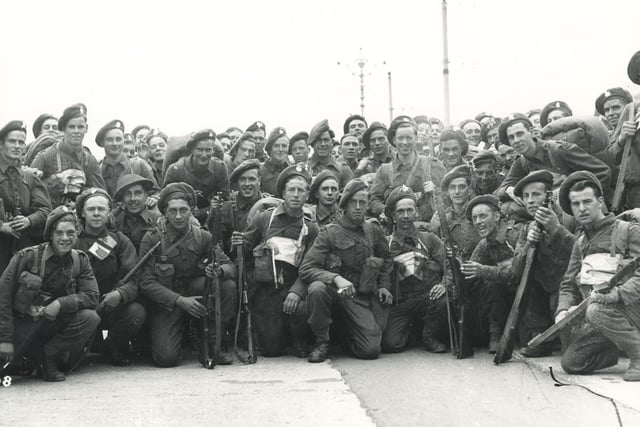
(413, 388)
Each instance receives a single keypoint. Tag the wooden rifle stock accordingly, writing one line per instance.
(618, 194)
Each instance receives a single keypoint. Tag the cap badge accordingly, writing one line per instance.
(260, 124)
(558, 105)
(281, 131)
(607, 94)
(117, 125)
(404, 188)
(210, 134)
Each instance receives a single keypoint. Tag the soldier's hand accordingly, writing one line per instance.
(534, 236)
(52, 310)
(561, 315)
(611, 297)
(513, 197)
(20, 223)
(7, 229)
(215, 203)
(436, 292)
(162, 224)
(112, 299)
(547, 218)
(291, 302)
(212, 271)
(383, 219)
(6, 352)
(237, 238)
(362, 164)
(384, 296)
(428, 187)
(151, 202)
(192, 307)
(345, 287)
(470, 269)
(628, 129)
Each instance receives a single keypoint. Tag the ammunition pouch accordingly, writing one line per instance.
(166, 274)
(369, 276)
(263, 263)
(29, 286)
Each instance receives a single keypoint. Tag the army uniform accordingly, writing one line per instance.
(464, 234)
(111, 172)
(269, 172)
(325, 216)
(244, 205)
(342, 171)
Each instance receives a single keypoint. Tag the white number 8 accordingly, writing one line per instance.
(6, 381)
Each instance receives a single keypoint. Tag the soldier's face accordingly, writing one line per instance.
(458, 191)
(405, 213)
(535, 120)
(336, 152)
(63, 238)
(322, 146)
(300, 151)
(451, 152)
(327, 193)
(143, 151)
(259, 138)
(14, 144)
(128, 149)
(234, 135)
(472, 131)
(405, 140)
(533, 196)
(357, 206)
(226, 144)
(295, 193)
(586, 206)
(245, 151)
(493, 137)
(357, 127)
(141, 134)
(486, 176)
(113, 142)
(484, 219)
(280, 149)
(202, 153)
(134, 199)
(378, 142)
(49, 125)
(612, 109)
(436, 130)
(521, 139)
(96, 212)
(507, 154)
(157, 148)
(75, 130)
(350, 148)
(178, 214)
(557, 115)
(249, 183)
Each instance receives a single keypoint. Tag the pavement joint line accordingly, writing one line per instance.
(344, 376)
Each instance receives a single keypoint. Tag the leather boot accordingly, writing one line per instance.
(494, 339)
(432, 345)
(116, 355)
(633, 373)
(50, 370)
(319, 353)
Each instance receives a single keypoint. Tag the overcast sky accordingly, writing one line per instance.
(185, 65)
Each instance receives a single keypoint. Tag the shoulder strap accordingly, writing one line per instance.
(75, 268)
(412, 173)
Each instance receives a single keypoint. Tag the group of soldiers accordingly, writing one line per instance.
(323, 241)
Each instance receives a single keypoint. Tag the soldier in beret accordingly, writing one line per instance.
(204, 173)
(67, 167)
(323, 195)
(173, 277)
(611, 102)
(489, 134)
(534, 117)
(273, 274)
(350, 149)
(157, 143)
(348, 268)
(259, 132)
(612, 321)
(25, 202)
(243, 149)
(420, 173)
(320, 139)
(277, 148)
(60, 318)
(554, 111)
(44, 123)
(115, 163)
(375, 142)
(418, 288)
(453, 148)
(299, 148)
(486, 175)
(112, 255)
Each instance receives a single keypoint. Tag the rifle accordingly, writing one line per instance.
(243, 298)
(618, 279)
(616, 203)
(505, 346)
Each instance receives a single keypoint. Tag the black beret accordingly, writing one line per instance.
(180, 190)
(543, 176)
(350, 189)
(484, 157)
(37, 125)
(396, 123)
(467, 121)
(300, 136)
(319, 179)
(199, 136)
(244, 137)
(256, 126)
(288, 173)
(614, 92)
(153, 133)
(533, 112)
(458, 135)
(462, 171)
(508, 121)
(113, 124)
(242, 168)
(366, 137)
(397, 194)
(563, 194)
(11, 126)
(54, 217)
(422, 119)
(345, 127)
(139, 128)
(127, 181)
(555, 105)
(482, 115)
(72, 112)
(86, 195)
(633, 69)
(317, 130)
(276, 133)
(485, 199)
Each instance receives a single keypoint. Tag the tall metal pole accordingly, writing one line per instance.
(390, 99)
(445, 63)
(361, 64)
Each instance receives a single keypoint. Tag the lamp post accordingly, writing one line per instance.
(445, 63)
(361, 63)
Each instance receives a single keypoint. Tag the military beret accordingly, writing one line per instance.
(467, 121)
(37, 124)
(86, 195)
(200, 136)
(152, 134)
(532, 112)
(366, 137)
(614, 92)
(244, 137)
(242, 168)
(485, 199)
(396, 123)
(345, 126)
(397, 194)
(127, 181)
(72, 112)
(288, 173)
(319, 179)
(274, 135)
(61, 212)
(11, 126)
(563, 193)
(486, 128)
(481, 116)
(484, 157)
(138, 128)
(113, 124)
(458, 135)
(176, 190)
(422, 119)
(543, 176)
(350, 189)
(508, 121)
(317, 130)
(256, 126)
(555, 105)
(462, 171)
(633, 69)
(300, 136)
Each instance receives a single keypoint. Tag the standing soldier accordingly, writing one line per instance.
(112, 255)
(453, 148)
(243, 149)
(277, 148)
(173, 278)
(277, 292)
(25, 202)
(418, 289)
(60, 318)
(348, 268)
(612, 321)
(553, 111)
(44, 123)
(486, 177)
(323, 195)
(259, 132)
(376, 144)
(299, 149)
(67, 167)
(157, 142)
(355, 125)
(139, 133)
(610, 104)
(320, 139)
(350, 149)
